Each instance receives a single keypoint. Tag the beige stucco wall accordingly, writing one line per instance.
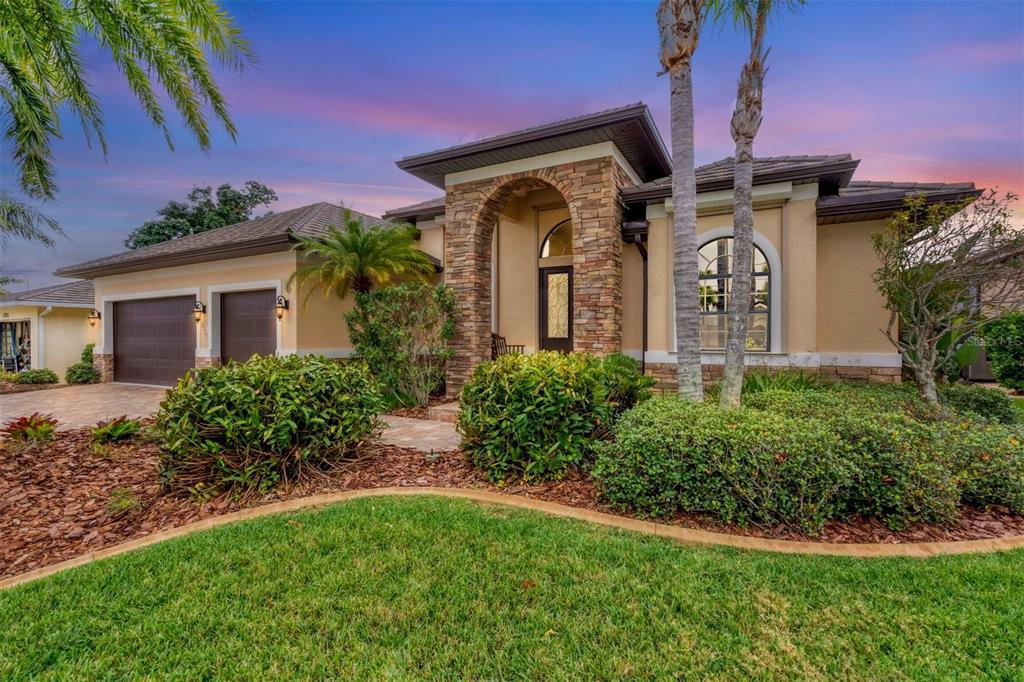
(851, 310)
(66, 332)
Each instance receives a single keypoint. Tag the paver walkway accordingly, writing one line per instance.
(420, 434)
(80, 406)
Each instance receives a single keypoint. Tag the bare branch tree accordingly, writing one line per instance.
(946, 269)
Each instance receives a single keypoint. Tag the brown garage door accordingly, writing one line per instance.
(154, 340)
(248, 325)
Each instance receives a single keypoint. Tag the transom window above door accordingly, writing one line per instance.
(716, 268)
(559, 241)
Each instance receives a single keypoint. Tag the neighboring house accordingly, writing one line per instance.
(46, 328)
(555, 237)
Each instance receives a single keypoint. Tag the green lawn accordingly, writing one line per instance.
(428, 588)
(1018, 402)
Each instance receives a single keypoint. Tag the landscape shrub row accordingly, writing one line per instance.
(802, 458)
(536, 416)
(247, 426)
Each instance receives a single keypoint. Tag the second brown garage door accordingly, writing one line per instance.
(248, 325)
(154, 340)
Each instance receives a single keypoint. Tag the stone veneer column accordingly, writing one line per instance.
(591, 191)
(105, 364)
(206, 361)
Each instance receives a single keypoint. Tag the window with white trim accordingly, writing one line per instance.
(716, 259)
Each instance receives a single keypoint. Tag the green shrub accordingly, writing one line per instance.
(8, 377)
(35, 428)
(533, 415)
(624, 385)
(37, 376)
(402, 332)
(115, 430)
(759, 380)
(991, 403)
(83, 372)
(738, 465)
(988, 462)
(249, 426)
(1004, 346)
(901, 470)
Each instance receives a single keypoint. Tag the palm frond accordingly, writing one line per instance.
(21, 220)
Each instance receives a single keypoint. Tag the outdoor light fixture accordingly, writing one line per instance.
(281, 306)
(94, 316)
(197, 311)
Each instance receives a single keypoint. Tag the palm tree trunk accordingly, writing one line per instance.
(684, 231)
(746, 121)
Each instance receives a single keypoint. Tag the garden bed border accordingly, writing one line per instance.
(691, 537)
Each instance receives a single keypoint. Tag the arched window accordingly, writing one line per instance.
(559, 241)
(716, 297)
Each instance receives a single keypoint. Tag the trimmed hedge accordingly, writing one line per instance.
(1004, 347)
(739, 465)
(805, 457)
(249, 426)
(37, 376)
(535, 416)
(991, 403)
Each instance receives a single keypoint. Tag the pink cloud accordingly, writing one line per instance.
(974, 54)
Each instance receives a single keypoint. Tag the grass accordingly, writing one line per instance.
(407, 588)
(1018, 402)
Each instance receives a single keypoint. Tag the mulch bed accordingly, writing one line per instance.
(55, 500)
(420, 412)
(8, 387)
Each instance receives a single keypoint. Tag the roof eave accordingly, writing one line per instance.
(42, 304)
(848, 209)
(247, 248)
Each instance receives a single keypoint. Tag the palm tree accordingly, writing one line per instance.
(6, 281)
(42, 71)
(360, 257)
(753, 16)
(679, 24)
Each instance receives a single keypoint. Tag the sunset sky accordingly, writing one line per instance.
(926, 91)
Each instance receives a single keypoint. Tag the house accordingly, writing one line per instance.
(555, 237)
(46, 328)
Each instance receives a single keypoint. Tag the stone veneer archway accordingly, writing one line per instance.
(591, 191)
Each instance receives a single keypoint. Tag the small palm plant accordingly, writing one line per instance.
(361, 257)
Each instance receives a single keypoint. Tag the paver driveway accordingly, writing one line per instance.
(80, 406)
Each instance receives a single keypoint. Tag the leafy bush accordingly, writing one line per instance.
(533, 415)
(8, 377)
(1004, 346)
(37, 376)
(738, 465)
(624, 385)
(249, 426)
(901, 472)
(991, 403)
(988, 461)
(115, 430)
(402, 332)
(759, 380)
(35, 428)
(83, 371)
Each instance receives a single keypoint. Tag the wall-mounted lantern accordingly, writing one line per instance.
(281, 306)
(197, 311)
(94, 316)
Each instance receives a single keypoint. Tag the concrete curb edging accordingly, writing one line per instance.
(691, 537)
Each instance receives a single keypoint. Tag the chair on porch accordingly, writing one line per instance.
(500, 347)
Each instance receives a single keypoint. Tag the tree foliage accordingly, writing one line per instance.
(1004, 346)
(946, 269)
(360, 257)
(203, 211)
(403, 333)
(42, 73)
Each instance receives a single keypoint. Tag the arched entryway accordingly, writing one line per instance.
(589, 283)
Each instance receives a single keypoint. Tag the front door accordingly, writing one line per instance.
(556, 308)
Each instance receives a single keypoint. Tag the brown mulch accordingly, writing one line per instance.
(55, 500)
(8, 387)
(420, 411)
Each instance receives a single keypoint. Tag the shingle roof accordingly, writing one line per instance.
(79, 294)
(719, 174)
(276, 229)
(430, 207)
(630, 127)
